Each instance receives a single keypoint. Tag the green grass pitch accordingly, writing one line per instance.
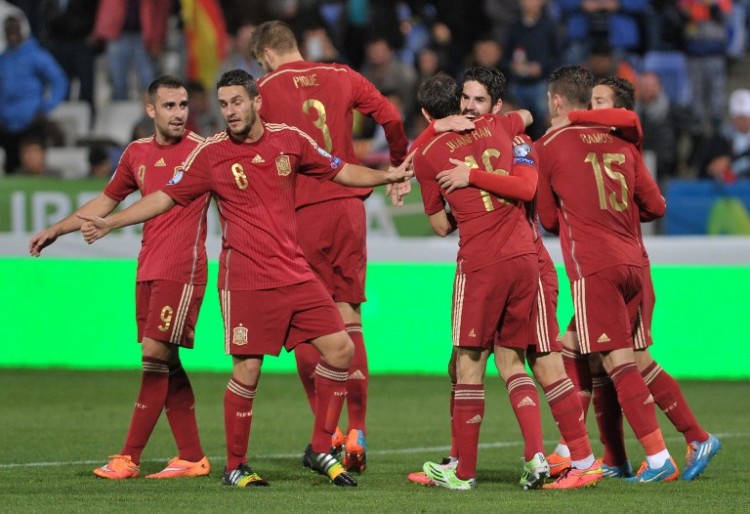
(57, 425)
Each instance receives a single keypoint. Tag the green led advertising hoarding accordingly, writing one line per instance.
(80, 314)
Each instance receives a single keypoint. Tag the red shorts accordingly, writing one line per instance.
(492, 305)
(168, 311)
(642, 337)
(545, 330)
(262, 322)
(333, 236)
(606, 308)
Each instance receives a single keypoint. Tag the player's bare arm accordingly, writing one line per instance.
(101, 205)
(354, 175)
(150, 206)
(443, 223)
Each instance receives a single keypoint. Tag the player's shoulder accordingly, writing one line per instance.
(288, 131)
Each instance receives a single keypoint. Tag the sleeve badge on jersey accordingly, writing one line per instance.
(178, 174)
(521, 150)
(335, 162)
(322, 152)
(283, 165)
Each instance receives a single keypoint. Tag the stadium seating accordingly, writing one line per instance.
(115, 121)
(71, 162)
(74, 118)
(672, 70)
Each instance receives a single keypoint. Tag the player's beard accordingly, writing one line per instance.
(244, 130)
(169, 133)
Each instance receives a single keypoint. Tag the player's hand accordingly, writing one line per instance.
(454, 178)
(397, 192)
(454, 123)
(403, 172)
(94, 228)
(42, 240)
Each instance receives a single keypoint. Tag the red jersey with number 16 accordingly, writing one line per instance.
(320, 99)
(491, 228)
(174, 244)
(592, 185)
(253, 185)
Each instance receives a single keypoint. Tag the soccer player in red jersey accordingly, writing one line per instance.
(320, 99)
(594, 190)
(270, 297)
(170, 283)
(543, 353)
(613, 101)
(496, 277)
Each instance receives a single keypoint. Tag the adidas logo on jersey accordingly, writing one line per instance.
(475, 419)
(472, 333)
(161, 162)
(526, 402)
(257, 160)
(357, 375)
(604, 338)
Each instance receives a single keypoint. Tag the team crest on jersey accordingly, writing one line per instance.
(141, 173)
(178, 174)
(283, 165)
(323, 152)
(239, 335)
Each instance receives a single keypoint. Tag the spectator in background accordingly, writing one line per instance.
(727, 155)
(31, 85)
(134, 32)
(603, 62)
(203, 119)
(240, 57)
(32, 152)
(531, 53)
(68, 26)
(502, 14)
(8, 9)
(589, 22)
(706, 40)
(100, 162)
(317, 45)
(486, 52)
(387, 73)
(662, 124)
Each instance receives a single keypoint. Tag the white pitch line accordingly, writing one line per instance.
(395, 451)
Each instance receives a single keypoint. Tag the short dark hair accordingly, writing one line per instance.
(624, 92)
(165, 81)
(438, 96)
(239, 78)
(275, 35)
(491, 78)
(573, 83)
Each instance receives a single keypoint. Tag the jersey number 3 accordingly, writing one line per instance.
(320, 121)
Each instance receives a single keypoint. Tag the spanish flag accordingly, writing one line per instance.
(206, 38)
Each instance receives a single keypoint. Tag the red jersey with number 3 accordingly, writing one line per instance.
(253, 185)
(490, 228)
(173, 245)
(320, 99)
(592, 185)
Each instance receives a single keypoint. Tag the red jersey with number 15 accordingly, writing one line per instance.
(173, 245)
(253, 185)
(320, 99)
(592, 185)
(490, 228)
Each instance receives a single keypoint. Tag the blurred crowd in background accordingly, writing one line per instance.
(73, 72)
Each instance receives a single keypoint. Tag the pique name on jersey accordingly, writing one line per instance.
(463, 140)
(305, 80)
